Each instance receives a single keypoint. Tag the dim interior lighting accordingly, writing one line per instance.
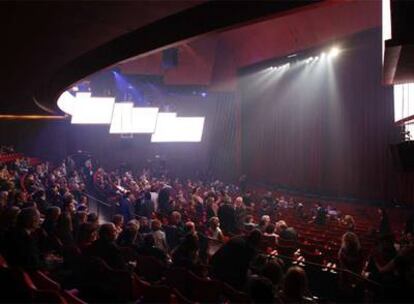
(334, 52)
(31, 117)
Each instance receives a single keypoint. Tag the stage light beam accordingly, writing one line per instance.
(334, 52)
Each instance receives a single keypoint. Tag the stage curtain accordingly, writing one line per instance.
(322, 127)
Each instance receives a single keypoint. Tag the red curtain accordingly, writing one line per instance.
(322, 127)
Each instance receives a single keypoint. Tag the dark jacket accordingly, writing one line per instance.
(107, 251)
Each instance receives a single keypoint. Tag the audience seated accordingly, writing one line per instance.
(231, 262)
(148, 248)
(194, 225)
(21, 246)
(295, 287)
(106, 249)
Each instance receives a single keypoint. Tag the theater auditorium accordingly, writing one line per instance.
(207, 152)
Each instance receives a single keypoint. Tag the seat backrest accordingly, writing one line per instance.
(42, 281)
(149, 268)
(48, 296)
(233, 295)
(3, 262)
(71, 298)
(176, 277)
(204, 290)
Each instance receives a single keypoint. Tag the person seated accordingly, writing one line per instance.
(159, 236)
(186, 254)
(231, 262)
(130, 236)
(65, 224)
(273, 270)
(87, 234)
(260, 290)
(118, 220)
(80, 218)
(106, 248)
(295, 287)
(264, 221)
(227, 215)
(93, 218)
(249, 223)
(21, 246)
(51, 220)
(270, 236)
(144, 227)
(175, 230)
(148, 248)
(214, 231)
(285, 232)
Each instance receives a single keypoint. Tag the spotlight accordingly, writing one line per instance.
(333, 52)
(323, 55)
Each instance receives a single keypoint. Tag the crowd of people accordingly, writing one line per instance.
(211, 228)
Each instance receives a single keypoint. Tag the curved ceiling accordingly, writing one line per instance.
(46, 46)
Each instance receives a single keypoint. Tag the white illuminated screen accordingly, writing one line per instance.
(121, 118)
(386, 23)
(403, 101)
(66, 102)
(409, 128)
(178, 129)
(127, 119)
(92, 110)
(144, 120)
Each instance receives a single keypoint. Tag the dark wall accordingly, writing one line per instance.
(322, 128)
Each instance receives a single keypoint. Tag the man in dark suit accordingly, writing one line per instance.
(106, 249)
(231, 262)
(126, 207)
(164, 199)
(21, 247)
(227, 216)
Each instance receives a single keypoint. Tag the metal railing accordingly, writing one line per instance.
(104, 210)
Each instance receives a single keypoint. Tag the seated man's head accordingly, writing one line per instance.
(107, 232)
(118, 220)
(281, 226)
(28, 219)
